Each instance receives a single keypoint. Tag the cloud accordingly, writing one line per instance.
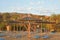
(20, 9)
(38, 2)
(31, 3)
(35, 3)
(33, 10)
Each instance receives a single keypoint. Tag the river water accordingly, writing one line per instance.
(22, 35)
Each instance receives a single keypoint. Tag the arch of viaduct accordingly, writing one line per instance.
(30, 24)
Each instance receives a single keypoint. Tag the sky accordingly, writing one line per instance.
(38, 7)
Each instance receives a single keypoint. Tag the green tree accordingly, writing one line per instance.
(6, 16)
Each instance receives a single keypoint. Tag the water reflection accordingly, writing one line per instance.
(24, 36)
(2, 39)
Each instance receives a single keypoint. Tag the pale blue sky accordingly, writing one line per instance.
(44, 7)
